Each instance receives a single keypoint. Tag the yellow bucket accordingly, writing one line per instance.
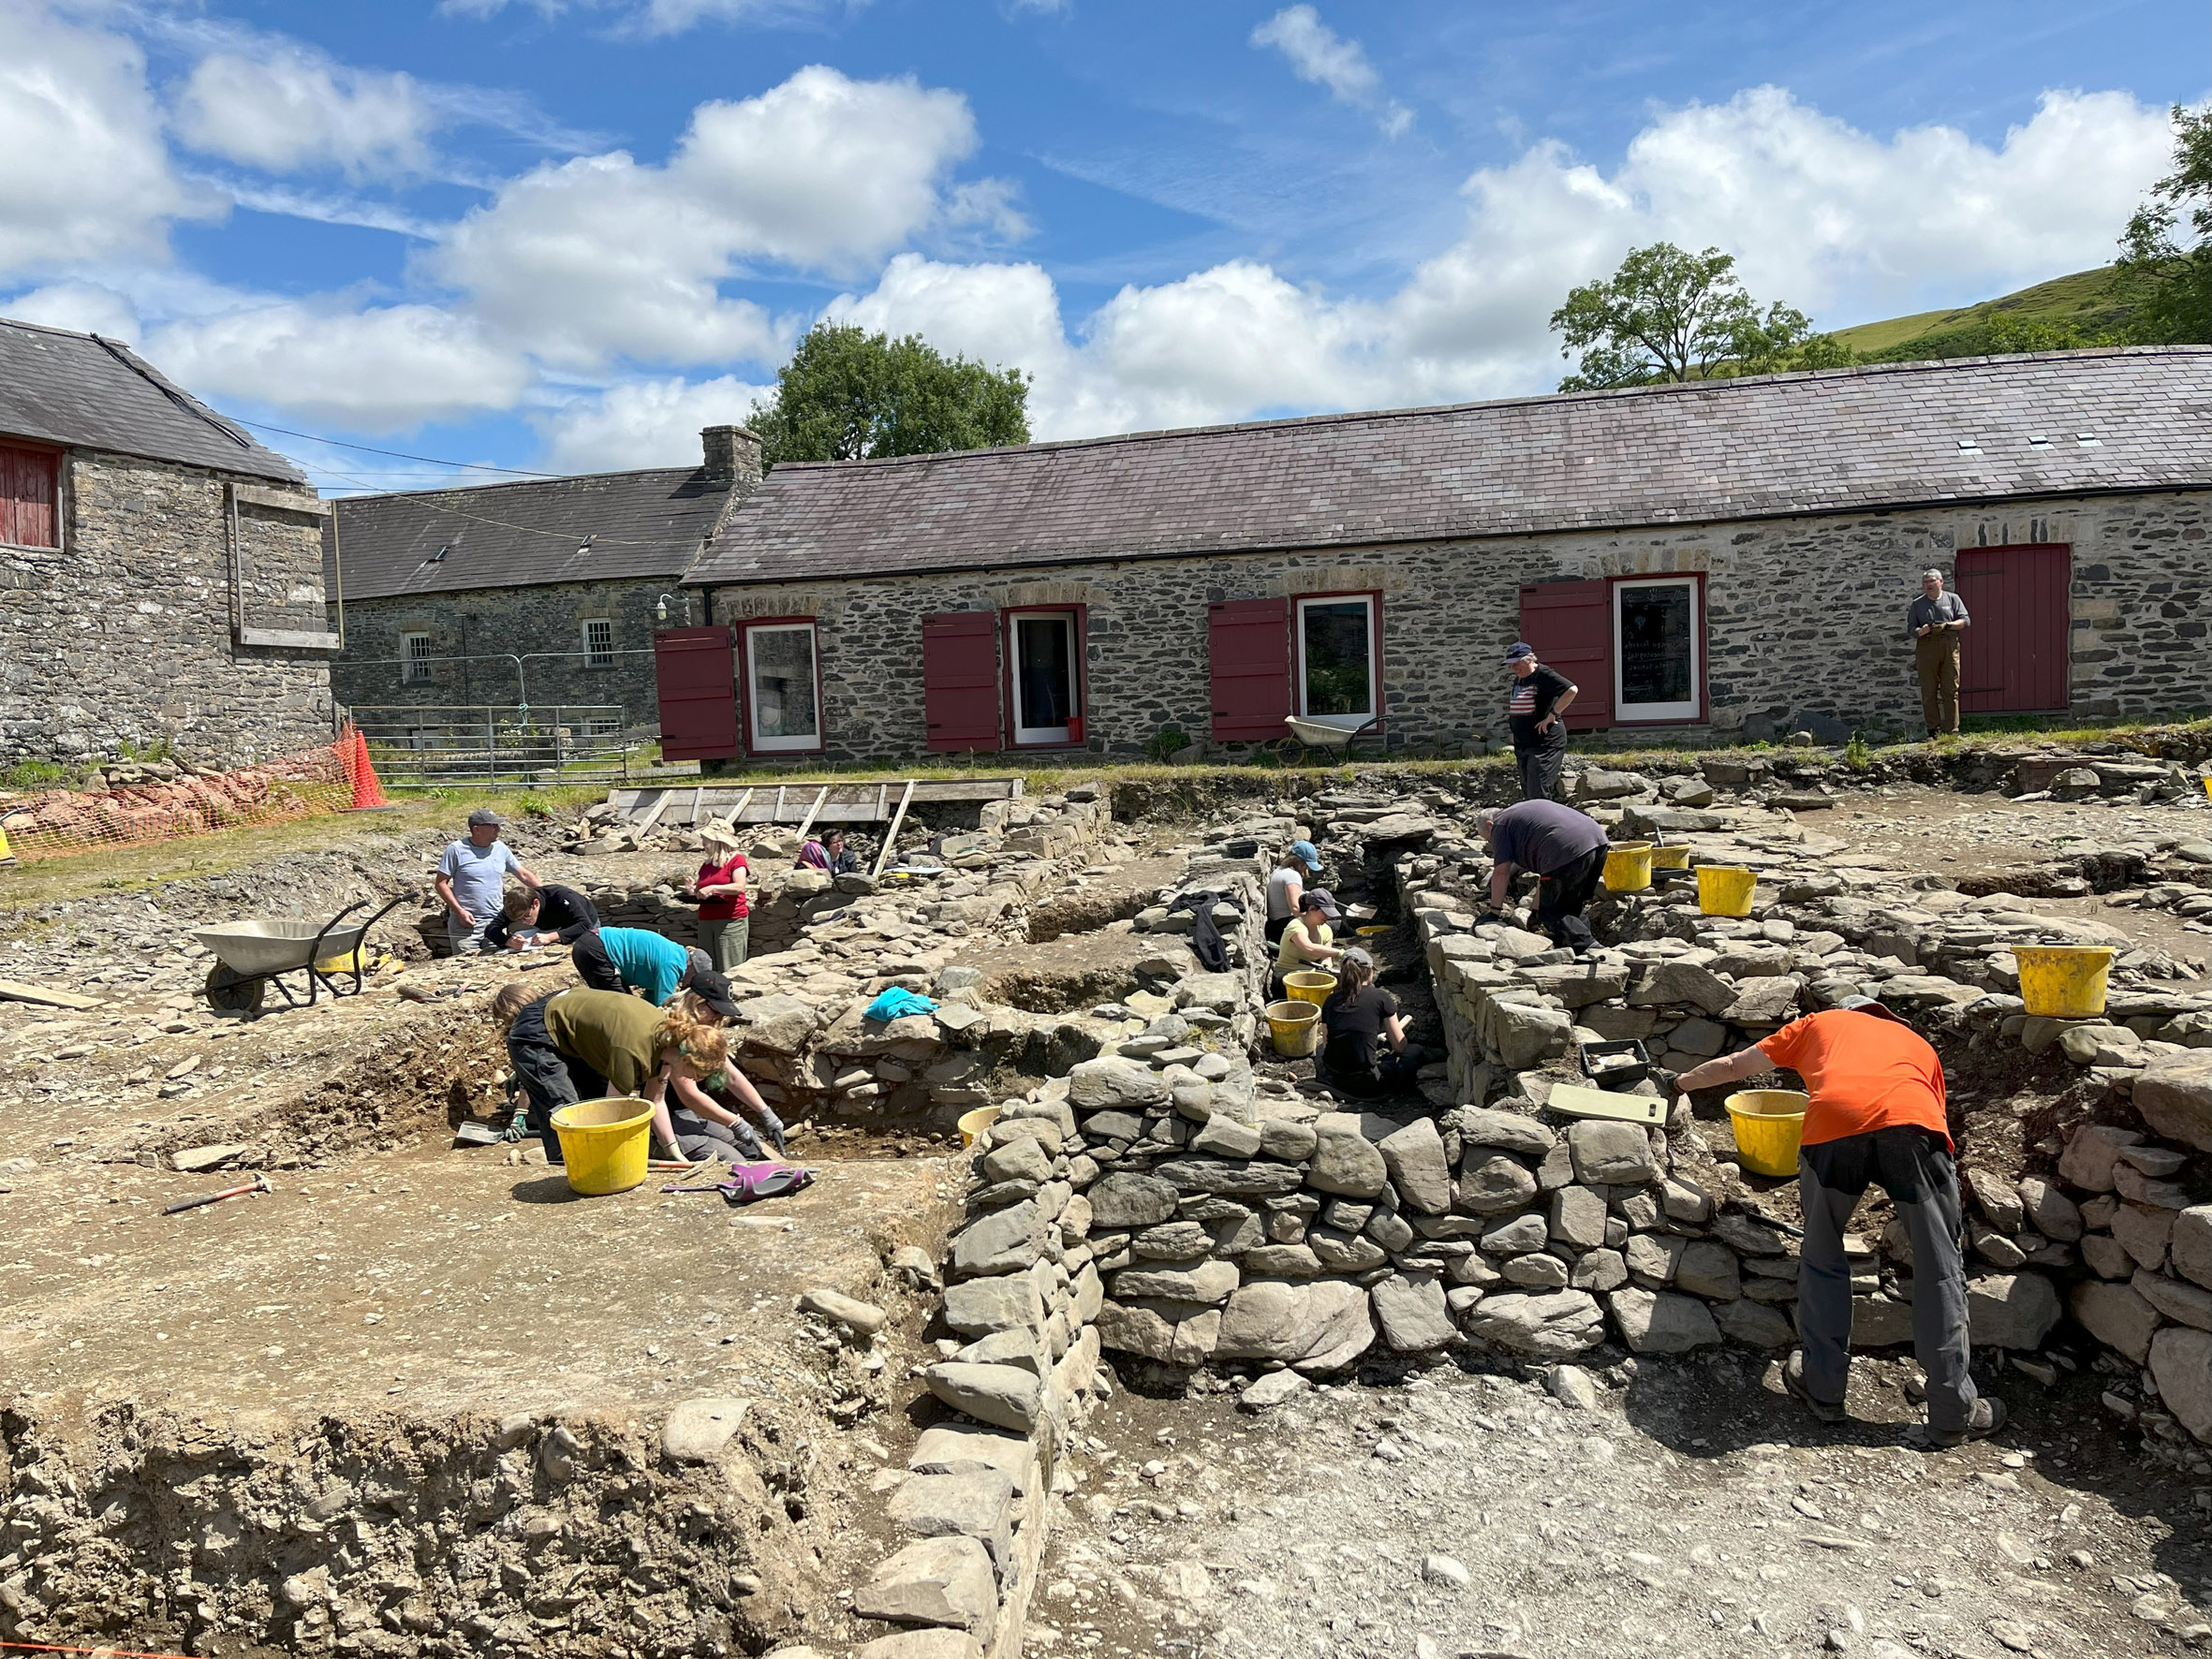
(2063, 981)
(1309, 987)
(352, 961)
(1767, 1122)
(605, 1144)
(1295, 1027)
(1627, 866)
(1724, 890)
(972, 1124)
(1670, 858)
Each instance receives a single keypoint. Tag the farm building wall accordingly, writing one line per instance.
(122, 634)
(1804, 625)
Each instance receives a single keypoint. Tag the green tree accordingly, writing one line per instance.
(1668, 315)
(2170, 266)
(850, 395)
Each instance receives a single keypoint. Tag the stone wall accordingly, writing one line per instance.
(485, 624)
(1805, 619)
(123, 635)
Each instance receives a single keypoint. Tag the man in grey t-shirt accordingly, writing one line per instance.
(1935, 620)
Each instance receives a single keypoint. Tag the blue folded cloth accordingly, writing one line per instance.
(896, 1004)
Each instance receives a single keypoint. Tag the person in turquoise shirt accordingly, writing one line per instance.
(633, 959)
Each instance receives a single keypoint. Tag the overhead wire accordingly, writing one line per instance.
(314, 437)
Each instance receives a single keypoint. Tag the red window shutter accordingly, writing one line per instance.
(693, 672)
(1571, 625)
(1248, 646)
(960, 680)
(29, 489)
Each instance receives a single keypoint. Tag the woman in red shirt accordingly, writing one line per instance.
(720, 885)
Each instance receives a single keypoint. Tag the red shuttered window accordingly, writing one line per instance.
(694, 673)
(30, 498)
(1249, 645)
(960, 680)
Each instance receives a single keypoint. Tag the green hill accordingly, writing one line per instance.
(2088, 308)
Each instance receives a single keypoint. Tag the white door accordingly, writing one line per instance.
(1042, 651)
(780, 702)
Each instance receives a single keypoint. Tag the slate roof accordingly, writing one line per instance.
(599, 527)
(70, 388)
(1781, 445)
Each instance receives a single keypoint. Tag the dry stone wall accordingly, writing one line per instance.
(1805, 621)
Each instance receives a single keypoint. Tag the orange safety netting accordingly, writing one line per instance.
(331, 777)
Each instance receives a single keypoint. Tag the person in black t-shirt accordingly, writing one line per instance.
(1537, 711)
(1365, 1051)
(549, 914)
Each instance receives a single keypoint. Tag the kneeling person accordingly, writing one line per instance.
(1366, 1054)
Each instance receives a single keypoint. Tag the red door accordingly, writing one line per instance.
(960, 680)
(1248, 653)
(695, 676)
(1571, 625)
(2014, 658)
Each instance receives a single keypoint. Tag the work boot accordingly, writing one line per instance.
(1794, 1384)
(1986, 1420)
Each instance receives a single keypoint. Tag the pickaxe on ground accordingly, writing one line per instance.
(258, 1185)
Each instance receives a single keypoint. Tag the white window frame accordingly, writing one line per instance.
(1027, 736)
(414, 666)
(598, 657)
(1348, 722)
(808, 743)
(1624, 711)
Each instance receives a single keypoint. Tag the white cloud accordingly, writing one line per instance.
(1318, 54)
(644, 423)
(605, 255)
(380, 370)
(84, 176)
(670, 17)
(87, 307)
(292, 109)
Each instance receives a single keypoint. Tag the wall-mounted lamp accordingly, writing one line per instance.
(661, 608)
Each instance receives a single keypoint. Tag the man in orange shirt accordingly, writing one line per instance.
(1877, 1115)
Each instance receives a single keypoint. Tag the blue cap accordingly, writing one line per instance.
(1307, 853)
(1519, 649)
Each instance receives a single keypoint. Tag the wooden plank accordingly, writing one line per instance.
(849, 803)
(653, 818)
(778, 815)
(737, 813)
(891, 835)
(808, 822)
(14, 990)
(288, 638)
(693, 818)
(882, 796)
(280, 501)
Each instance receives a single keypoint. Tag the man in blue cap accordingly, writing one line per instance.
(1287, 882)
(1537, 711)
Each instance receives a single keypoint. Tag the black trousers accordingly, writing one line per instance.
(1562, 896)
(1392, 1073)
(1275, 928)
(1541, 761)
(549, 1078)
(593, 966)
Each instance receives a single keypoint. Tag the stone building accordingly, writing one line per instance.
(1732, 557)
(546, 593)
(160, 572)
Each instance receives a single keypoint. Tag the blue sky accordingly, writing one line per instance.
(564, 234)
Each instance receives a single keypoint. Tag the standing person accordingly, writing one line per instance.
(1877, 1115)
(472, 881)
(1359, 1016)
(1563, 848)
(548, 915)
(1286, 886)
(724, 907)
(1308, 941)
(1537, 711)
(632, 958)
(1935, 620)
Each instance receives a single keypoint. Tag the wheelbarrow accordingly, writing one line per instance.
(1310, 736)
(251, 956)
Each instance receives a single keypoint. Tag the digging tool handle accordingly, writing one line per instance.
(258, 1185)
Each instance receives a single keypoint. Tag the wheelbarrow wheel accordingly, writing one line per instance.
(1287, 751)
(229, 992)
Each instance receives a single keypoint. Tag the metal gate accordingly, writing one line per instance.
(496, 743)
(2015, 657)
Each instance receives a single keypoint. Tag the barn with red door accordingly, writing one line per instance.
(1731, 558)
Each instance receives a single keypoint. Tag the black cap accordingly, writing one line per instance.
(713, 991)
(1321, 899)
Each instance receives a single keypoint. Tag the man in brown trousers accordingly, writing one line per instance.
(1935, 620)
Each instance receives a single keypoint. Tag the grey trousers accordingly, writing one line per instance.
(1541, 764)
(725, 941)
(1915, 1170)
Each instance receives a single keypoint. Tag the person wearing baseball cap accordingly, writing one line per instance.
(1536, 709)
(637, 959)
(472, 881)
(1286, 884)
(1309, 942)
(1877, 1116)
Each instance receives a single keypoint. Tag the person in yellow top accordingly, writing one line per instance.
(1309, 942)
(1877, 1115)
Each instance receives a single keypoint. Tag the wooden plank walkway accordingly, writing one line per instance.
(833, 803)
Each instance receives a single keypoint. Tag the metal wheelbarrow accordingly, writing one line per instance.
(1308, 736)
(250, 956)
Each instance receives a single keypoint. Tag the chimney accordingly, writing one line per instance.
(732, 457)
